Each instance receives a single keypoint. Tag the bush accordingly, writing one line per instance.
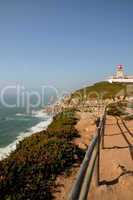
(30, 171)
(63, 126)
(103, 90)
(117, 109)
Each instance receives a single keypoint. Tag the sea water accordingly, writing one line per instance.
(16, 124)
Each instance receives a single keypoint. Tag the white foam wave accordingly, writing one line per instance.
(9, 118)
(5, 151)
(40, 114)
(21, 115)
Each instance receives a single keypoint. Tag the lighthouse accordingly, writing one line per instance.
(120, 76)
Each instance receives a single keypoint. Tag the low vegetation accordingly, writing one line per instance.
(30, 171)
(63, 126)
(102, 90)
(117, 109)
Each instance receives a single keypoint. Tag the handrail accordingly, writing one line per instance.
(82, 183)
(78, 184)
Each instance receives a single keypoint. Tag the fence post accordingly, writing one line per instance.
(98, 157)
(103, 130)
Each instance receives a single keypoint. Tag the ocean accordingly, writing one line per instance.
(16, 124)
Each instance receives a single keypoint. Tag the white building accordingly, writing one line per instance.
(120, 77)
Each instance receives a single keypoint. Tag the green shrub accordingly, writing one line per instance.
(102, 90)
(117, 109)
(30, 171)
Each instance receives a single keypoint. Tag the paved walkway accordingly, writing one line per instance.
(116, 162)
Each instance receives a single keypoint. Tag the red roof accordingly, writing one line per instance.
(120, 66)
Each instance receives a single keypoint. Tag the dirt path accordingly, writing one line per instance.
(116, 162)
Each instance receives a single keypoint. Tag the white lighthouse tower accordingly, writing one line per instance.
(120, 72)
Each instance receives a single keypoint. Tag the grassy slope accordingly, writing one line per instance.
(30, 171)
(102, 89)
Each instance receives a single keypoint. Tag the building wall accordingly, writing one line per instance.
(120, 73)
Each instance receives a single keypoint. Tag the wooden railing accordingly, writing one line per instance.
(81, 186)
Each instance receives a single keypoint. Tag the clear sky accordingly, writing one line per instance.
(65, 43)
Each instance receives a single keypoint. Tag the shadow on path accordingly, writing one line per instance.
(116, 147)
(125, 137)
(129, 145)
(116, 180)
(124, 124)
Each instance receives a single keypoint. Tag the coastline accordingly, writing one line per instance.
(5, 151)
(40, 158)
(48, 112)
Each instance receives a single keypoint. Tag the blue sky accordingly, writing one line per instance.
(64, 43)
